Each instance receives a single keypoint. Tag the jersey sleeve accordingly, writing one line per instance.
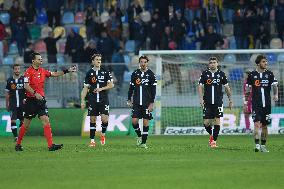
(201, 79)
(249, 80)
(87, 82)
(154, 80)
(8, 86)
(153, 88)
(27, 77)
(47, 73)
(224, 79)
(131, 86)
(109, 77)
(273, 80)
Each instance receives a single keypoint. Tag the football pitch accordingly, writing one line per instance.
(170, 162)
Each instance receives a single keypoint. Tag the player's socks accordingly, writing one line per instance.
(22, 133)
(137, 130)
(263, 142)
(48, 134)
(145, 134)
(216, 132)
(208, 129)
(256, 141)
(92, 130)
(104, 127)
(14, 129)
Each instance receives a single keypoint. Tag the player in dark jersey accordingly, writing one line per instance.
(15, 94)
(97, 83)
(35, 104)
(210, 88)
(141, 96)
(259, 83)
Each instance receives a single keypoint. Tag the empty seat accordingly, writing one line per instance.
(41, 18)
(13, 49)
(232, 43)
(45, 31)
(79, 18)
(228, 30)
(5, 18)
(127, 59)
(8, 60)
(68, 18)
(127, 76)
(58, 31)
(280, 57)
(275, 43)
(271, 57)
(35, 32)
(61, 46)
(60, 59)
(82, 31)
(230, 58)
(236, 74)
(130, 46)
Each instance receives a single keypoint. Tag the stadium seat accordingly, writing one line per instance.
(13, 49)
(44, 31)
(76, 28)
(8, 60)
(41, 18)
(2, 77)
(40, 47)
(280, 58)
(230, 58)
(19, 60)
(5, 18)
(232, 43)
(105, 17)
(271, 57)
(79, 18)
(130, 46)
(275, 43)
(124, 19)
(228, 30)
(145, 16)
(59, 30)
(60, 59)
(127, 59)
(68, 18)
(236, 74)
(127, 76)
(82, 31)
(35, 32)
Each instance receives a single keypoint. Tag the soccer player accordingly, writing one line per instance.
(247, 107)
(97, 83)
(15, 94)
(210, 87)
(259, 82)
(35, 104)
(142, 89)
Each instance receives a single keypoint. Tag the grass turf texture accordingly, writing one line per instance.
(170, 162)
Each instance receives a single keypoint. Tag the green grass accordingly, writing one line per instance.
(170, 162)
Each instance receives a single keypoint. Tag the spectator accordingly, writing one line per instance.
(133, 11)
(90, 50)
(27, 54)
(250, 20)
(90, 15)
(31, 10)
(167, 39)
(212, 16)
(74, 46)
(262, 38)
(163, 9)
(239, 30)
(140, 34)
(105, 47)
(198, 30)
(51, 49)
(211, 40)
(119, 68)
(53, 8)
(15, 12)
(279, 18)
(2, 36)
(193, 9)
(114, 25)
(156, 27)
(20, 34)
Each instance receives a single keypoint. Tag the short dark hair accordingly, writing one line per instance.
(259, 58)
(95, 55)
(144, 57)
(213, 58)
(15, 65)
(33, 55)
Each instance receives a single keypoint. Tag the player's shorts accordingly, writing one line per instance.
(34, 107)
(17, 113)
(211, 111)
(98, 108)
(262, 115)
(139, 111)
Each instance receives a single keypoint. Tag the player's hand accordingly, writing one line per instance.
(202, 103)
(129, 103)
(83, 105)
(72, 69)
(97, 90)
(38, 96)
(151, 107)
(230, 105)
(275, 98)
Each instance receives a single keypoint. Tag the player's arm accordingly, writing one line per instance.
(32, 91)
(60, 73)
(248, 89)
(274, 88)
(200, 90)
(109, 85)
(153, 93)
(7, 97)
(130, 91)
(83, 95)
(229, 95)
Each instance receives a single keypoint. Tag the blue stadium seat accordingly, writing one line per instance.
(236, 74)
(127, 59)
(13, 49)
(68, 18)
(41, 18)
(232, 43)
(127, 76)
(280, 57)
(5, 18)
(271, 57)
(8, 60)
(230, 58)
(60, 59)
(130, 46)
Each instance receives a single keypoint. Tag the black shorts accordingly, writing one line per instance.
(34, 107)
(139, 111)
(211, 111)
(98, 108)
(262, 115)
(17, 113)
